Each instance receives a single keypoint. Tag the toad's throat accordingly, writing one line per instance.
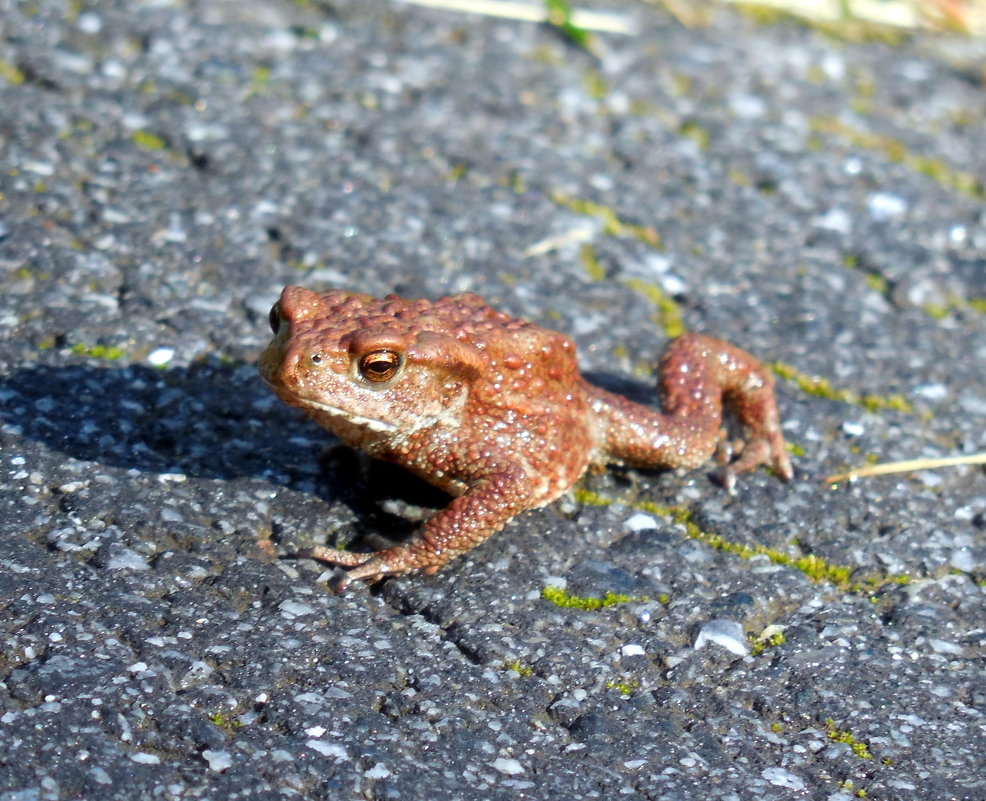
(369, 423)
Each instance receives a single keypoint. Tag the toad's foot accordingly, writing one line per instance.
(768, 449)
(376, 565)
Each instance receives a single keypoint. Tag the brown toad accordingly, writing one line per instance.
(493, 409)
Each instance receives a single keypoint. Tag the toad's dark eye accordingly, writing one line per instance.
(274, 318)
(380, 365)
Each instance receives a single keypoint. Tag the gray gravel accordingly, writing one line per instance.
(168, 166)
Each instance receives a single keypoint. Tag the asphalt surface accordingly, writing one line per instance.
(168, 166)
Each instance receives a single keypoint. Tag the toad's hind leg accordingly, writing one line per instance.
(698, 375)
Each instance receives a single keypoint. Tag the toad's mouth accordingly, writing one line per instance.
(371, 423)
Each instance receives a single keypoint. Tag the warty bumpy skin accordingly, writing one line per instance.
(493, 410)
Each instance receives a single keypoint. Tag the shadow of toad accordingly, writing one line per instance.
(209, 420)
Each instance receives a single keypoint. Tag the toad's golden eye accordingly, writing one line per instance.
(380, 365)
(274, 318)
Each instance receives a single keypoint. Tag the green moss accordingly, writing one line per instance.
(822, 388)
(260, 78)
(846, 29)
(591, 265)
(225, 722)
(11, 74)
(623, 687)
(814, 567)
(877, 283)
(760, 644)
(457, 172)
(612, 224)
(859, 748)
(955, 304)
(515, 180)
(518, 667)
(696, 133)
(560, 598)
(148, 141)
(669, 312)
(964, 182)
(110, 352)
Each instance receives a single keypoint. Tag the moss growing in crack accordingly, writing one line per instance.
(109, 352)
(565, 600)
(859, 748)
(937, 311)
(850, 787)
(878, 284)
(848, 28)
(612, 224)
(227, 723)
(794, 449)
(895, 150)
(954, 304)
(822, 388)
(696, 133)
(669, 312)
(625, 687)
(814, 567)
(148, 141)
(519, 667)
(590, 263)
(11, 74)
(760, 644)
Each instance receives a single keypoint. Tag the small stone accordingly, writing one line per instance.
(218, 760)
(723, 632)
(510, 767)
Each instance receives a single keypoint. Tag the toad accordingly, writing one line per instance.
(493, 410)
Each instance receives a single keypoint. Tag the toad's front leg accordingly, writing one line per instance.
(483, 509)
